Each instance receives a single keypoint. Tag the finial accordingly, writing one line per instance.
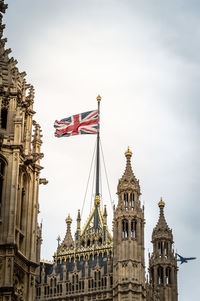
(128, 152)
(105, 211)
(68, 219)
(58, 239)
(79, 215)
(161, 204)
(97, 200)
(98, 98)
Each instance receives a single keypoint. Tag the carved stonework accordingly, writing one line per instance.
(20, 239)
(18, 280)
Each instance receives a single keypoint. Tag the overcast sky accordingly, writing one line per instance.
(143, 58)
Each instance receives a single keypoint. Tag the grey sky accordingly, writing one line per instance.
(143, 57)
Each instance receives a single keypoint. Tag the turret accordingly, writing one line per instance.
(162, 262)
(67, 242)
(128, 240)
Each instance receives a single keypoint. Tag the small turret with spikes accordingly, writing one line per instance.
(128, 180)
(67, 242)
(162, 229)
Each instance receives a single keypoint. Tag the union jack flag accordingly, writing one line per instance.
(84, 123)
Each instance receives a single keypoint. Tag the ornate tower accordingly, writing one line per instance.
(128, 239)
(162, 262)
(20, 235)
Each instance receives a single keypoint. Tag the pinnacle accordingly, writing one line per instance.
(162, 226)
(3, 6)
(128, 171)
(79, 215)
(128, 179)
(68, 240)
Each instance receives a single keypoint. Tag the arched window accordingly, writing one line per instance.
(111, 281)
(124, 228)
(2, 171)
(4, 115)
(126, 200)
(23, 202)
(132, 200)
(160, 248)
(168, 275)
(166, 249)
(133, 228)
(152, 275)
(160, 275)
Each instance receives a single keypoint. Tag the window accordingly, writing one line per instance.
(168, 275)
(166, 249)
(160, 248)
(160, 275)
(2, 170)
(152, 275)
(111, 281)
(4, 115)
(132, 200)
(126, 200)
(124, 228)
(133, 229)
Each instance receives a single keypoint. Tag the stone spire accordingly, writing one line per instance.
(128, 180)
(105, 214)
(78, 220)
(162, 229)
(68, 242)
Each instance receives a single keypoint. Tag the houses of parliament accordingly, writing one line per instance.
(92, 264)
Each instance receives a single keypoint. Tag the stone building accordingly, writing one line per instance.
(20, 234)
(94, 265)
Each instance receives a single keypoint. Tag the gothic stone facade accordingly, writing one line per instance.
(20, 235)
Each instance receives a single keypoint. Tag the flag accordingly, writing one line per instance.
(84, 123)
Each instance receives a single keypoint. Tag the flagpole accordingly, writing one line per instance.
(98, 156)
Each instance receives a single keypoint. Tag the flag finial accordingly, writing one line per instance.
(98, 98)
